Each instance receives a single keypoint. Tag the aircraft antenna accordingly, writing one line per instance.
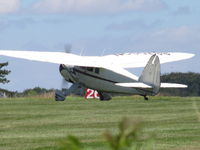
(81, 52)
(103, 52)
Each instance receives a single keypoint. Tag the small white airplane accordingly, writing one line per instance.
(107, 74)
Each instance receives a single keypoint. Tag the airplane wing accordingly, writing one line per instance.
(134, 60)
(128, 60)
(67, 59)
(134, 85)
(53, 57)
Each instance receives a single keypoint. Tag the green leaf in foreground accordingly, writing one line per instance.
(130, 137)
(70, 143)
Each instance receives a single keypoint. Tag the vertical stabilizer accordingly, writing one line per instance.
(151, 74)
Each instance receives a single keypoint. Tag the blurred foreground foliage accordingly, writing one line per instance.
(130, 137)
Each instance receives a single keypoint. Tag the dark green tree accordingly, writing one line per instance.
(3, 79)
(4, 73)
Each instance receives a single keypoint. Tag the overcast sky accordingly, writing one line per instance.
(95, 27)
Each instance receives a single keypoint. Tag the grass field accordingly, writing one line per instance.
(38, 124)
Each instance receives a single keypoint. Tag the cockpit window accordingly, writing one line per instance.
(90, 69)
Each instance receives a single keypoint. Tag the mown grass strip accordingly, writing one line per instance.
(37, 124)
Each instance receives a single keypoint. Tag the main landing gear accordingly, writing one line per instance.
(104, 96)
(146, 98)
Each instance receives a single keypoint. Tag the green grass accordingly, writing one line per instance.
(38, 124)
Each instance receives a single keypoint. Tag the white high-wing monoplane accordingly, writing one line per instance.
(107, 74)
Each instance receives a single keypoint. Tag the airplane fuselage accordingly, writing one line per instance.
(100, 79)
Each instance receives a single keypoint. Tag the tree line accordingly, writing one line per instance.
(191, 79)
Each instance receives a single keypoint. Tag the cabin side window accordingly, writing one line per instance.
(97, 70)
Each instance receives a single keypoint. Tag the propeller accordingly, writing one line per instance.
(61, 94)
(66, 87)
(65, 84)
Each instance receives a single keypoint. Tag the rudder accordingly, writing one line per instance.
(151, 74)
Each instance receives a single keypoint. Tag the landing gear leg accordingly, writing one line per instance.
(146, 98)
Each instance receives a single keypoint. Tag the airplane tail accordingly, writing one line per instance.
(149, 81)
(151, 74)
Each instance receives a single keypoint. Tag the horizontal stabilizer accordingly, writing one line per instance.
(142, 85)
(134, 85)
(172, 85)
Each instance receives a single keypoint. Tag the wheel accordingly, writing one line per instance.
(59, 96)
(104, 96)
(146, 98)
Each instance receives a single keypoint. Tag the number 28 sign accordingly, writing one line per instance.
(91, 94)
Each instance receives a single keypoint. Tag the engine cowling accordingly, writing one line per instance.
(66, 72)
